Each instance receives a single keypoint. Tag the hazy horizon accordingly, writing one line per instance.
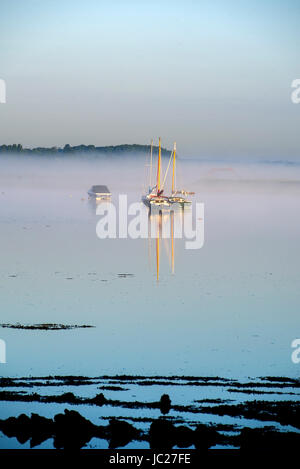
(214, 76)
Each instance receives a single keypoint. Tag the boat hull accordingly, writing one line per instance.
(99, 196)
(153, 203)
(179, 201)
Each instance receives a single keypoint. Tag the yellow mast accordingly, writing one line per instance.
(150, 182)
(174, 165)
(158, 166)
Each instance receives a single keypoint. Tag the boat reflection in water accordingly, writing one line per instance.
(164, 227)
(94, 202)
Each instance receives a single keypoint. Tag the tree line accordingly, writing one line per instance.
(68, 149)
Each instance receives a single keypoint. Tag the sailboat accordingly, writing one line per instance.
(155, 197)
(175, 198)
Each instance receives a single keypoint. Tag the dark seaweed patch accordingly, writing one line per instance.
(256, 391)
(112, 388)
(125, 275)
(167, 431)
(45, 326)
(70, 430)
(284, 412)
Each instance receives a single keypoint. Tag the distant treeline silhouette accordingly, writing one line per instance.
(68, 149)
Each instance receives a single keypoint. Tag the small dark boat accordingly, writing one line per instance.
(99, 192)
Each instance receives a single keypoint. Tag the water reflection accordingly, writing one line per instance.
(238, 285)
(94, 202)
(167, 225)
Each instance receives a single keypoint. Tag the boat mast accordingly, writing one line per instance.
(174, 166)
(158, 166)
(150, 181)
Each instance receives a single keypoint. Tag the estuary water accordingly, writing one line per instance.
(229, 309)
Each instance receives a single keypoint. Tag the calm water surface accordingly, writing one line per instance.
(229, 309)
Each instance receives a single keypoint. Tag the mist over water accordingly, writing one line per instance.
(229, 309)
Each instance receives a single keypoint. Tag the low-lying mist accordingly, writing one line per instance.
(127, 173)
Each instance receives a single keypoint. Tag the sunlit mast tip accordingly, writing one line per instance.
(174, 167)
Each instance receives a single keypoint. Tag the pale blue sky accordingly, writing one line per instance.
(215, 75)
